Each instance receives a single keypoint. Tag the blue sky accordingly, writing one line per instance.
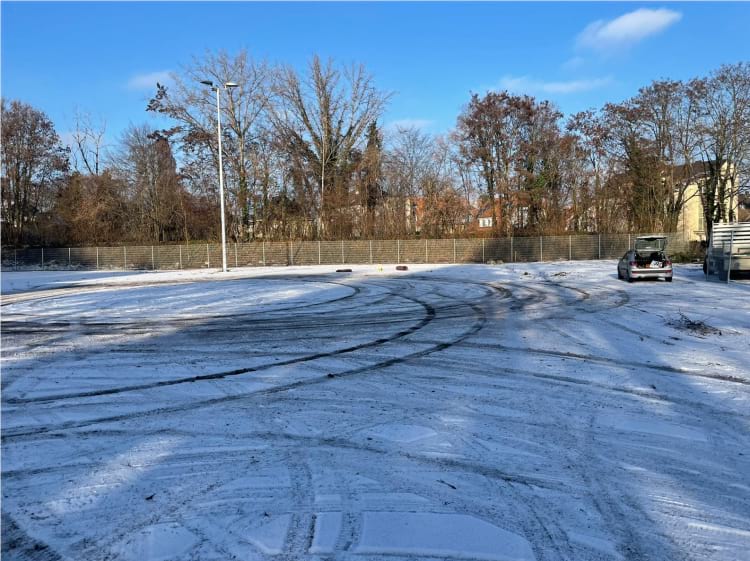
(102, 58)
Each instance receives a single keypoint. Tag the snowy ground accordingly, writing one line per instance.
(511, 412)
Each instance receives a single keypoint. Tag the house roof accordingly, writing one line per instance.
(682, 173)
(687, 172)
(518, 198)
(485, 210)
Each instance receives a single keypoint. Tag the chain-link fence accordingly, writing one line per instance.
(254, 254)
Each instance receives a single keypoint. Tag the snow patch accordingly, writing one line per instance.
(328, 499)
(270, 537)
(600, 544)
(440, 535)
(327, 530)
(631, 423)
(396, 432)
(393, 498)
(157, 542)
(276, 479)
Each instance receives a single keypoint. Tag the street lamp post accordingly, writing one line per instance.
(227, 85)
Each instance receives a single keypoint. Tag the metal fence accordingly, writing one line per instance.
(254, 254)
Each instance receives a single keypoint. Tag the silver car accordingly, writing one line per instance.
(647, 260)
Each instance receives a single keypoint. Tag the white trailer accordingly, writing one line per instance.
(728, 251)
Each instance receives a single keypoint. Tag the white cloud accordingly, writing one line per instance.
(148, 81)
(409, 124)
(525, 84)
(573, 63)
(627, 29)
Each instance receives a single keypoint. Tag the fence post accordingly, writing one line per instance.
(291, 254)
(570, 248)
(628, 241)
(208, 256)
(97, 258)
(42, 258)
(180, 246)
(342, 252)
(320, 261)
(70, 263)
(124, 258)
(483, 260)
(15, 258)
(731, 248)
(263, 249)
(236, 261)
(600, 246)
(425, 251)
(370, 252)
(398, 251)
(454, 250)
(511, 248)
(153, 261)
(541, 250)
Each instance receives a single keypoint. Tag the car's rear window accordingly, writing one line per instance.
(650, 244)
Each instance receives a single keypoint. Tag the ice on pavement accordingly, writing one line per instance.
(507, 412)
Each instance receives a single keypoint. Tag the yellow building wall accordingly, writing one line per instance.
(691, 221)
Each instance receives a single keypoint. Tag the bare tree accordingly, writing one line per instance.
(408, 163)
(542, 159)
(33, 165)
(322, 117)
(490, 132)
(467, 178)
(723, 131)
(193, 107)
(654, 139)
(594, 209)
(369, 182)
(87, 150)
(147, 165)
(445, 210)
(670, 116)
(94, 209)
(514, 143)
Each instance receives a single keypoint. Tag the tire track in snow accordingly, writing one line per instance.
(20, 326)
(425, 320)
(301, 529)
(598, 359)
(23, 547)
(393, 318)
(480, 320)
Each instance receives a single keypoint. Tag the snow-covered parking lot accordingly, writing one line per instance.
(510, 412)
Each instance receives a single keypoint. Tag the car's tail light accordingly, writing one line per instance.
(633, 264)
(668, 264)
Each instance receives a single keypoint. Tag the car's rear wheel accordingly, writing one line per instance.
(668, 279)
(629, 278)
